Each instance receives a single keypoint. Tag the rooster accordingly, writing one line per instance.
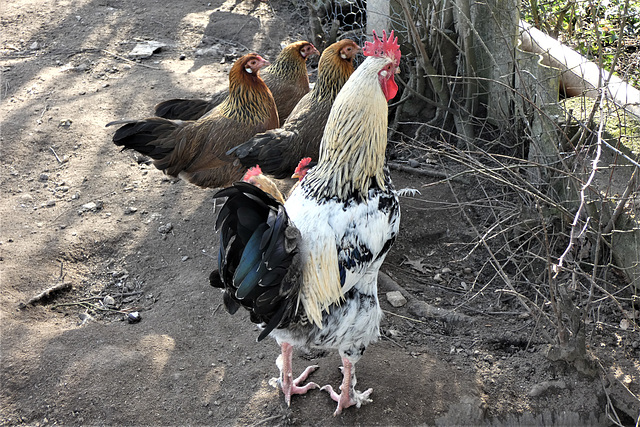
(277, 151)
(287, 78)
(307, 269)
(195, 150)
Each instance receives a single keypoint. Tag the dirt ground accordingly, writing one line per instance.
(119, 237)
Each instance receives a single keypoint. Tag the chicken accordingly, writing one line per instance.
(287, 78)
(278, 151)
(307, 270)
(195, 150)
(255, 176)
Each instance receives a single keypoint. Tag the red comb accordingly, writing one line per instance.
(254, 171)
(385, 47)
(304, 162)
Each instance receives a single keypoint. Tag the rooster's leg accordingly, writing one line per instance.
(348, 396)
(286, 382)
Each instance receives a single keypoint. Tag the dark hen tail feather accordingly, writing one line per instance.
(189, 109)
(257, 260)
(140, 135)
(270, 150)
(183, 109)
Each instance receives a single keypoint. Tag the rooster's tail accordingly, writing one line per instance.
(257, 260)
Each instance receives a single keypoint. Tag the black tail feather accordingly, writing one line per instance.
(142, 136)
(269, 150)
(183, 109)
(255, 229)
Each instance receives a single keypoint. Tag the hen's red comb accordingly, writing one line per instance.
(254, 171)
(387, 47)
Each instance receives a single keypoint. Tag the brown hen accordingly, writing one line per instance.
(195, 150)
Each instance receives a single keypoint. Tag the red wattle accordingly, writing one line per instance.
(390, 88)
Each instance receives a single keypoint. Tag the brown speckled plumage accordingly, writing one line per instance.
(195, 150)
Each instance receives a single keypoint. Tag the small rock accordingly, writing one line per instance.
(63, 188)
(146, 49)
(109, 301)
(184, 258)
(43, 177)
(393, 333)
(91, 206)
(414, 163)
(182, 57)
(438, 278)
(446, 270)
(130, 210)
(134, 317)
(34, 46)
(84, 318)
(165, 228)
(396, 299)
(65, 123)
(467, 270)
(51, 203)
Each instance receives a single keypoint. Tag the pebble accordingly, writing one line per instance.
(130, 210)
(165, 228)
(467, 270)
(91, 206)
(446, 270)
(51, 203)
(134, 317)
(145, 49)
(438, 278)
(184, 258)
(109, 301)
(43, 177)
(396, 298)
(414, 163)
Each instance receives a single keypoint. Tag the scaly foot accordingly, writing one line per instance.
(348, 396)
(286, 382)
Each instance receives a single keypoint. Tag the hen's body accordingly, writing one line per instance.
(287, 78)
(307, 271)
(278, 151)
(195, 150)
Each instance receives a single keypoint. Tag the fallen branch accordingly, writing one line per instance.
(46, 294)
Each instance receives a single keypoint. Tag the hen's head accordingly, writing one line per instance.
(347, 49)
(390, 49)
(252, 173)
(302, 168)
(251, 63)
(307, 49)
(297, 51)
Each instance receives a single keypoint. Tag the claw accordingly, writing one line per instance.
(286, 382)
(348, 396)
